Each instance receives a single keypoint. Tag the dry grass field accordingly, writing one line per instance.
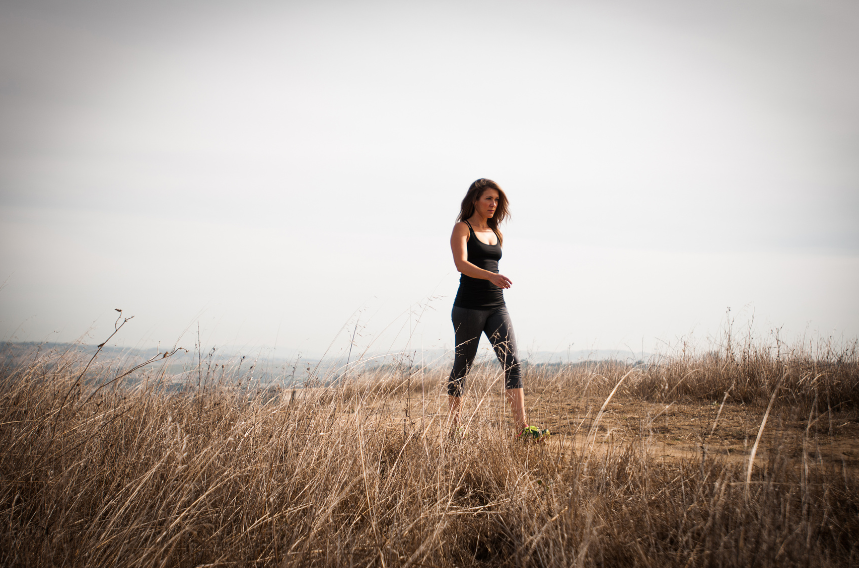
(744, 458)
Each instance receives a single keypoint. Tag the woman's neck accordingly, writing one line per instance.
(478, 221)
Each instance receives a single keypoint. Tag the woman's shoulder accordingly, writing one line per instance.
(461, 227)
(460, 232)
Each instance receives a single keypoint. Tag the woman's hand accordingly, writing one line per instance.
(500, 280)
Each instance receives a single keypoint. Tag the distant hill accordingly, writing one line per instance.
(232, 364)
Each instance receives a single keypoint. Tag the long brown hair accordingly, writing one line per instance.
(475, 192)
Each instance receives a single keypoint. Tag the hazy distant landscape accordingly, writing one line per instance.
(288, 371)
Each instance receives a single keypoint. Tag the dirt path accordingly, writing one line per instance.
(678, 430)
(673, 431)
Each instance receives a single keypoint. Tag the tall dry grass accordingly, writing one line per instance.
(364, 474)
(752, 372)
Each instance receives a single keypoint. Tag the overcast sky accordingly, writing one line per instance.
(275, 170)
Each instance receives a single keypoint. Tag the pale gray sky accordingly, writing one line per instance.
(269, 168)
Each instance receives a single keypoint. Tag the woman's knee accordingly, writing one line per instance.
(454, 386)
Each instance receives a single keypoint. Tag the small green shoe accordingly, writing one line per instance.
(532, 433)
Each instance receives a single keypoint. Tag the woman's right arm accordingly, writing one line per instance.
(459, 247)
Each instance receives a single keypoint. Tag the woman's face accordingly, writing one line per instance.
(487, 203)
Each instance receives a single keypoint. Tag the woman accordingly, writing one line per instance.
(479, 305)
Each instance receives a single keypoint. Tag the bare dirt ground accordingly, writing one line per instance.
(676, 430)
(681, 430)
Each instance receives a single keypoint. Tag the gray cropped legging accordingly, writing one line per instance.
(468, 325)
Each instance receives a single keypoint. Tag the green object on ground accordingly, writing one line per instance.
(533, 433)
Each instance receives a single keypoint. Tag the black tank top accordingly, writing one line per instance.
(476, 293)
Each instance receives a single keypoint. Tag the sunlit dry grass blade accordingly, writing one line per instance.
(758, 441)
